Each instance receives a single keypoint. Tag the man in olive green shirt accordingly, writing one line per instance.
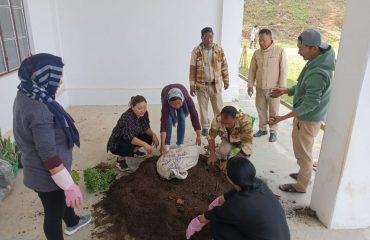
(310, 103)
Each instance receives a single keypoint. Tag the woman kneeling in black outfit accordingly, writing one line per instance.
(249, 211)
(131, 132)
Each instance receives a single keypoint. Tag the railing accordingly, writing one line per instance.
(243, 77)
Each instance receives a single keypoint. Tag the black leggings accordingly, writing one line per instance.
(126, 148)
(56, 210)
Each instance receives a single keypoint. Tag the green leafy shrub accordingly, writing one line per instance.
(75, 176)
(9, 152)
(97, 180)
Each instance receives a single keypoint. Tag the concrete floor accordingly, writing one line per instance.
(21, 213)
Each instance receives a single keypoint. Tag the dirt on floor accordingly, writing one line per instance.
(144, 206)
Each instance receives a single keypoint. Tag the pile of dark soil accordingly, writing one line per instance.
(147, 207)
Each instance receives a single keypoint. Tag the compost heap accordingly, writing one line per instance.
(145, 206)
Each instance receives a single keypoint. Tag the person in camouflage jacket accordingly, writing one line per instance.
(235, 130)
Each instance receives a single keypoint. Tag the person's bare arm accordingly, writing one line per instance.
(212, 151)
(276, 119)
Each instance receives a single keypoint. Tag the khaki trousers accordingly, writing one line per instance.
(204, 95)
(303, 136)
(266, 107)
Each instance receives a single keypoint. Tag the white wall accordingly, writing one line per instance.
(42, 26)
(354, 188)
(137, 47)
(231, 34)
(341, 193)
(43, 34)
(130, 47)
(8, 90)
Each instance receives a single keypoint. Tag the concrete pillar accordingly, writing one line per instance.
(341, 193)
(231, 36)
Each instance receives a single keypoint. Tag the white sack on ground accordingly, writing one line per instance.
(176, 162)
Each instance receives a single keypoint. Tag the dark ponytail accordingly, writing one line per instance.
(136, 100)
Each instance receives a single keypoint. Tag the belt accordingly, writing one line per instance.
(210, 83)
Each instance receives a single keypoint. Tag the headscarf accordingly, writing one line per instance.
(241, 172)
(176, 92)
(40, 75)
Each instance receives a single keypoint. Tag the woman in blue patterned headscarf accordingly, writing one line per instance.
(176, 106)
(40, 77)
(45, 134)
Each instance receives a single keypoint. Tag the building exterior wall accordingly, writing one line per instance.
(130, 47)
(341, 193)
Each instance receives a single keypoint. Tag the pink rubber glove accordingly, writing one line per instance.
(215, 203)
(193, 227)
(72, 192)
(73, 196)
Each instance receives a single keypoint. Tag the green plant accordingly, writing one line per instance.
(97, 180)
(75, 176)
(8, 150)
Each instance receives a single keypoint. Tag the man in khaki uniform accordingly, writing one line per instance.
(268, 70)
(208, 70)
(235, 130)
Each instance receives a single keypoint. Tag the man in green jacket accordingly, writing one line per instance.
(310, 103)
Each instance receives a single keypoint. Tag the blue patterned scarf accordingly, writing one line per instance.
(40, 75)
(176, 92)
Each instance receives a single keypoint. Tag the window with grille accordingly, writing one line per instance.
(14, 44)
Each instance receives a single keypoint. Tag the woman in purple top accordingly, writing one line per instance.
(176, 106)
(132, 132)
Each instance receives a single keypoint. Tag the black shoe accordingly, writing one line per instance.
(294, 176)
(122, 165)
(139, 154)
(205, 132)
(273, 137)
(260, 133)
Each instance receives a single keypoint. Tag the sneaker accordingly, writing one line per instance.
(122, 165)
(273, 137)
(139, 154)
(260, 133)
(180, 145)
(84, 220)
(167, 148)
(205, 132)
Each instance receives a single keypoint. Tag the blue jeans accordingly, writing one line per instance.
(180, 128)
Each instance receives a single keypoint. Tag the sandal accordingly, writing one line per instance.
(294, 176)
(314, 165)
(289, 188)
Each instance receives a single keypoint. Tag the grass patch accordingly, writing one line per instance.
(287, 18)
(286, 44)
(296, 12)
(295, 66)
